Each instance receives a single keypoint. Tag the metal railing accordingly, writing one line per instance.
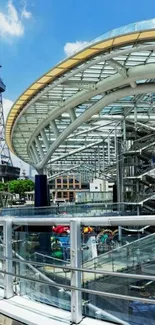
(79, 293)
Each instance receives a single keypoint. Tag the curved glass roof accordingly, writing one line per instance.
(74, 113)
(130, 28)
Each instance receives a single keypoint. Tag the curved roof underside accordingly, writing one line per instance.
(73, 113)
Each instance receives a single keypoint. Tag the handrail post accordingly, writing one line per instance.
(75, 256)
(7, 241)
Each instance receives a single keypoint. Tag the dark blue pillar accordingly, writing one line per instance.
(42, 198)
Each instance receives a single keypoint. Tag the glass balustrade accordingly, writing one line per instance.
(47, 252)
(64, 210)
(114, 279)
(131, 256)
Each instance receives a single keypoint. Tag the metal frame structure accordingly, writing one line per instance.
(94, 109)
(5, 157)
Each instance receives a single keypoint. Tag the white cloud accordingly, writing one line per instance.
(70, 48)
(12, 21)
(7, 103)
(24, 12)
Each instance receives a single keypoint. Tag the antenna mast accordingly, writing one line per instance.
(5, 157)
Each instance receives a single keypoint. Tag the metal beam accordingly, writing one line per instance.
(116, 80)
(63, 172)
(90, 85)
(122, 70)
(76, 151)
(39, 147)
(118, 67)
(54, 128)
(72, 114)
(142, 88)
(44, 138)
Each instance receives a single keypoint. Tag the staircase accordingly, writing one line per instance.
(139, 168)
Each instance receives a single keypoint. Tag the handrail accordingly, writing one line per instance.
(129, 220)
(86, 270)
(74, 289)
(50, 257)
(52, 283)
(91, 306)
(94, 292)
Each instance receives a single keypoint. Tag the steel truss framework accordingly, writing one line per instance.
(89, 110)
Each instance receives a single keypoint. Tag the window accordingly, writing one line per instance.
(59, 194)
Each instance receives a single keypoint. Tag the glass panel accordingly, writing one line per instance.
(42, 253)
(134, 27)
(134, 249)
(46, 252)
(102, 251)
(86, 206)
(119, 311)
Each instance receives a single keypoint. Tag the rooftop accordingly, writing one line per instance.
(78, 105)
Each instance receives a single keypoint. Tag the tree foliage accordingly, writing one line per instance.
(17, 186)
(3, 187)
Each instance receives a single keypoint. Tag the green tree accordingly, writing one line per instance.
(3, 187)
(20, 186)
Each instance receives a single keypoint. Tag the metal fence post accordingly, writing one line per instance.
(7, 241)
(75, 256)
(21, 267)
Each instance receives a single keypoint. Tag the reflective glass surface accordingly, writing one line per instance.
(41, 279)
(41, 255)
(134, 27)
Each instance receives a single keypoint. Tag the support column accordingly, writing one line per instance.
(119, 164)
(103, 160)
(8, 278)
(98, 160)
(42, 197)
(108, 149)
(21, 267)
(119, 179)
(136, 163)
(75, 253)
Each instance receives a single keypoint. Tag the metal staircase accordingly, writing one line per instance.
(139, 167)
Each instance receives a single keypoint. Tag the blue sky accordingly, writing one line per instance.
(34, 33)
(51, 25)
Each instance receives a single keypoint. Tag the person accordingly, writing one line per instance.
(104, 238)
(58, 210)
(60, 229)
(108, 242)
(56, 247)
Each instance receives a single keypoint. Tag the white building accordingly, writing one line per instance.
(98, 185)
